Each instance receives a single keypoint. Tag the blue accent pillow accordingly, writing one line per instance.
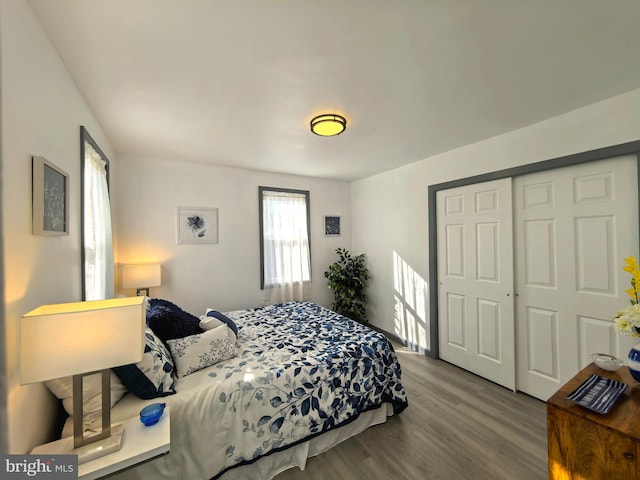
(152, 376)
(224, 319)
(168, 321)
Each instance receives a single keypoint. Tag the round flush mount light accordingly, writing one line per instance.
(328, 125)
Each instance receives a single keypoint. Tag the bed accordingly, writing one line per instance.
(304, 378)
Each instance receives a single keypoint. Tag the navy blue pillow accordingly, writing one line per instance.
(224, 319)
(168, 321)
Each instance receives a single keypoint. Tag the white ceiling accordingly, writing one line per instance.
(236, 82)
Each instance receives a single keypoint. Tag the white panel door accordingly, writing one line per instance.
(573, 228)
(475, 274)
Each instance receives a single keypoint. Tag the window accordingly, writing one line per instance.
(284, 241)
(97, 250)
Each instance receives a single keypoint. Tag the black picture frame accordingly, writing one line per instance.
(50, 209)
(331, 225)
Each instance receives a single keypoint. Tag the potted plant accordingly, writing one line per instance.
(348, 279)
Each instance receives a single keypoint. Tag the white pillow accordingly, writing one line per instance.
(213, 320)
(196, 352)
(91, 395)
(209, 323)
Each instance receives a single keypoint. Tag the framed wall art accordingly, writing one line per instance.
(197, 225)
(50, 196)
(331, 225)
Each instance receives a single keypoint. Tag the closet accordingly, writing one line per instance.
(530, 271)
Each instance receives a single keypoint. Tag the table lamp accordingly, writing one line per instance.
(81, 339)
(141, 277)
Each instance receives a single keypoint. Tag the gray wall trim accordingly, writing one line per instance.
(574, 159)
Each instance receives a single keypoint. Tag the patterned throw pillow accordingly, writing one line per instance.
(151, 377)
(196, 352)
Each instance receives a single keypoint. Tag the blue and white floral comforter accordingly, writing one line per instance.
(301, 370)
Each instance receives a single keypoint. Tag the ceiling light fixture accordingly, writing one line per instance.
(328, 125)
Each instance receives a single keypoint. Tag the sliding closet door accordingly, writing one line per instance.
(475, 274)
(574, 225)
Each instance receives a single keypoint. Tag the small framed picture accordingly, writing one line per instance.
(197, 225)
(331, 225)
(50, 209)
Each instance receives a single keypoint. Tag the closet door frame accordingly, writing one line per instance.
(559, 162)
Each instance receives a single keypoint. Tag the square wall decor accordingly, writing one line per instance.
(197, 225)
(331, 225)
(50, 208)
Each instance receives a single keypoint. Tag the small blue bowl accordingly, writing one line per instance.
(150, 414)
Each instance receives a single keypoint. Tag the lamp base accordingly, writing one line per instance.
(87, 452)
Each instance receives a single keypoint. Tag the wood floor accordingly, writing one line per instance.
(457, 426)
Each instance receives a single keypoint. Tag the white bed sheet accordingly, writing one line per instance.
(194, 434)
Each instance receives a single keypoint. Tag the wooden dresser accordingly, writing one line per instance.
(586, 445)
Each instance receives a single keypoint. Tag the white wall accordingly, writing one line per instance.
(4, 415)
(389, 210)
(225, 275)
(42, 111)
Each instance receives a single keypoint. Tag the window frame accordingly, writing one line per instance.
(85, 138)
(261, 190)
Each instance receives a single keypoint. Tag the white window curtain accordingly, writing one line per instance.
(98, 248)
(287, 261)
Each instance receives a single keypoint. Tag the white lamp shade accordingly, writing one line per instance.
(141, 276)
(73, 338)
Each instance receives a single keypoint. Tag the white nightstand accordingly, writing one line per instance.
(139, 444)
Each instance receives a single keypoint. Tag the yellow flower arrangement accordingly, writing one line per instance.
(632, 268)
(627, 320)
